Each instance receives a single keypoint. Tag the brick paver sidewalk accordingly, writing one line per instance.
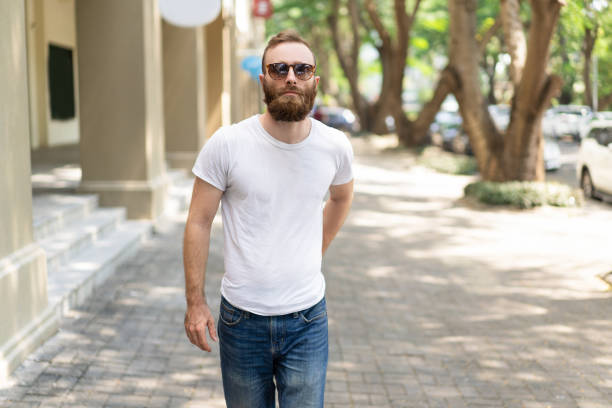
(431, 304)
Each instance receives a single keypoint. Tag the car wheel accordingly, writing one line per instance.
(586, 183)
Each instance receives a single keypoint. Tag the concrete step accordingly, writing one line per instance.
(79, 235)
(70, 284)
(179, 191)
(54, 212)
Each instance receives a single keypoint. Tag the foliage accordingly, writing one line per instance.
(567, 57)
(445, 162)
(524, 194)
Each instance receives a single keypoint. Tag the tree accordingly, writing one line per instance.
(517, 153)
(393, 46)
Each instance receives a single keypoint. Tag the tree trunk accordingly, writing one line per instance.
(418, 129)
(463, 64)
(523, 147)
(604, 103)
(349, 59)
(567, 90)
(518, 155)
(590, 36)
(514, 38)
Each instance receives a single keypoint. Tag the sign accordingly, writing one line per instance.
(189, 13)
(262, 8)
(252, 64)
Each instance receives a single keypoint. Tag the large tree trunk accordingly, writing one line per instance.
(518, 155)
(514, 38)
(477, 122)
(523, 147)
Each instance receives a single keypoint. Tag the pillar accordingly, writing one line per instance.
(184, 94)
(25, 319)
(121, 104)
(214, 75)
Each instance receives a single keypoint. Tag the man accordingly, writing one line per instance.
(272, 173)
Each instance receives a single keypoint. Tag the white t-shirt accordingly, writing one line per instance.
(272, 210)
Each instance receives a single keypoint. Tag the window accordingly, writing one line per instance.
(61, 83)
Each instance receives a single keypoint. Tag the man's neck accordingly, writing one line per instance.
(286, 132)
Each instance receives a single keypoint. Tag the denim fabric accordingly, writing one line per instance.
(258, 352)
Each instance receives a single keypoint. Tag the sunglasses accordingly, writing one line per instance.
(280, 70)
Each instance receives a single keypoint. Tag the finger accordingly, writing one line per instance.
(201, 338)
(212, 329)
(189, 334)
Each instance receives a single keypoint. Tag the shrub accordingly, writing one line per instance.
(445, 162)
(524, 194)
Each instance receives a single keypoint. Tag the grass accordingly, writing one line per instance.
(524, 194)
(445, 162)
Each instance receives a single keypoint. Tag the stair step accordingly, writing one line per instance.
(74, 281)
(79, 235)
(53, 212)
(179, 191)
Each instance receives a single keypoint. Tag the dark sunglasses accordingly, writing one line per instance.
(280, 70)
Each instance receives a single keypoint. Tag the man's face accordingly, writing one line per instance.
(289, 99)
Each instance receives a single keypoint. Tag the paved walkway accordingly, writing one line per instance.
(432, 303)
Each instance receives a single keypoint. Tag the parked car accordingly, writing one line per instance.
(569, 120)
(337, 117)
(594, 165)
(445, 127)
(596, 116)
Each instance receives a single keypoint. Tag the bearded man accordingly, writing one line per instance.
(272, 173)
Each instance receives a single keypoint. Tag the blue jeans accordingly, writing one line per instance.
(291, 349)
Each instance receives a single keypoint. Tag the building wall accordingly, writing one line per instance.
(23, 273)
(49, 22)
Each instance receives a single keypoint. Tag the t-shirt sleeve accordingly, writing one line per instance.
(344, 173)
(212, 163)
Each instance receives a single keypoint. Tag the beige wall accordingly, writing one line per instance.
(49, 22)
(23, 275)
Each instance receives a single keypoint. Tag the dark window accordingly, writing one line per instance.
(61, 82)
(606, 136)
(593, 134)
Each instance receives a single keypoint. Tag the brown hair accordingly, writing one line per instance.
(283, 37)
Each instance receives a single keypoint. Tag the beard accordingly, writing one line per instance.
(289, 108)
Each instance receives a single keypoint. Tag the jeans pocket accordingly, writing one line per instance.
(228, 314)
(316, 312)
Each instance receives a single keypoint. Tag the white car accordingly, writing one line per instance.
(594, 166)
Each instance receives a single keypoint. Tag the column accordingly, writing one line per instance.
(25, 319)
(184, 94)
(121, 104)
(214, 75)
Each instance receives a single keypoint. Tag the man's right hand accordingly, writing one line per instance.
(197, 319)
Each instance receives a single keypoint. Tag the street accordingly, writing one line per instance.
(432, 301)
(567, 173)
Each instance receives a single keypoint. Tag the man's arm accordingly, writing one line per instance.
(336, 210)
(204, 204)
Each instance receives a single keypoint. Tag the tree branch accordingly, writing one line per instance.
(354, 12)
(414, 13)
(378, 25)
(486, 37)
(343, 59)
